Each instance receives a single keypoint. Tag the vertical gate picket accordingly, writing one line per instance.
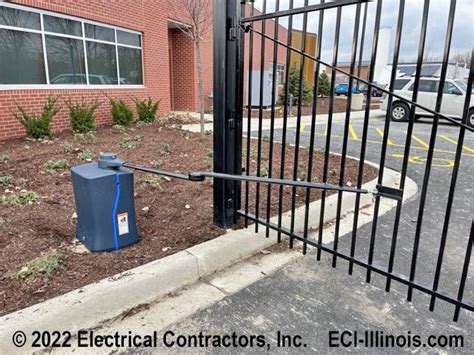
(429, 159)
(346, 134)
(329, 129)
(386, 132)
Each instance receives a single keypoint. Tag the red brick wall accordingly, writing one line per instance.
(147, 16)
(183, 71)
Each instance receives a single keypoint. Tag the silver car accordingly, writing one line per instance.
(452, 105)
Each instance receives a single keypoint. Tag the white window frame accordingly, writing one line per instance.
(84, 40)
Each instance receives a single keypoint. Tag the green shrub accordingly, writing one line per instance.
(121, 113)
(146, 109)
(86, 155)
(23, 198)
(42, 266)
(128, 142)
(82, 115)
(118, 128)
(38, 126)
(294, 88)
(67, 147)
(6, 180)
(53, 166)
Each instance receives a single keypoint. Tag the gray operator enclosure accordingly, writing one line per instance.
(105, 207)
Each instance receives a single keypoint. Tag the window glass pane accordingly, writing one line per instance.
(102, 64)
(130, 64)
(426, 86)
(99, 32)
(131, 39)
(399, 84)
(19, 18)
(62, 25)
(21, 58)
(65, 60)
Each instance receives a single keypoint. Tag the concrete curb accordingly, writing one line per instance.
(107, 299)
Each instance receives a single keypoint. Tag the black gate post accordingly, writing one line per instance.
(228, 93)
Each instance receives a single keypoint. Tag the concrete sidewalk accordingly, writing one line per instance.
(278, 122)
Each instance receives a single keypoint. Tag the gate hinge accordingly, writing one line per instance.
(234, 29)
(389, 192)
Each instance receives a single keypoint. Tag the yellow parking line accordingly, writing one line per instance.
(421, 141)
(398, 145)
(302, 128)
(353, 132)
(380, 132)
(326, 130)
(449, 139)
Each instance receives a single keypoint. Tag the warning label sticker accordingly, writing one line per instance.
(122, 221)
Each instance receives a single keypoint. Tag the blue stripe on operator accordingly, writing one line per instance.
(114, 212)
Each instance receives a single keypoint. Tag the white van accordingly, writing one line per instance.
(454, 95)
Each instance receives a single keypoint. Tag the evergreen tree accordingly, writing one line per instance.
(294, 86)
(324, 87)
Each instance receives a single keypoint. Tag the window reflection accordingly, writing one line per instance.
(21, 58)
(65, 60)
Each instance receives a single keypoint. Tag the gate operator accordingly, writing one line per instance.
(105, 205)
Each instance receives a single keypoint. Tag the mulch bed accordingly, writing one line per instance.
(179, 213)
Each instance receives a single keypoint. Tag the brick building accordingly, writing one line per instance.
(85, 48)
(123, 48)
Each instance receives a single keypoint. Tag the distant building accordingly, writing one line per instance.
(310, 49)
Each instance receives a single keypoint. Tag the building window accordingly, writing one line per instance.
(280, 72)
(40, 48)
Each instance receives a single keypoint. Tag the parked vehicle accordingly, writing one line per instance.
(343, 89)
(452, 105)
(375, 92)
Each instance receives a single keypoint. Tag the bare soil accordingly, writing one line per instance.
(177, 215)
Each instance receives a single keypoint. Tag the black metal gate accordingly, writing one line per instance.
(242, 38)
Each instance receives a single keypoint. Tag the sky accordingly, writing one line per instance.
(463, 31)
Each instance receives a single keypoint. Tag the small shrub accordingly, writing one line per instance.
(4, 158)
(333, 172)
(80, 137)
(121, 113)
(53, 166)
(82, 115)
(23, 198)
(117, 128)
(41, 267)
(146, 109)
(264, 171)
(165, 148)
(38, 126)
(154, 181)
(210, 153)
(6, 180)
(90, 137)
(67, 147)
(208, 132)
(128, 142)
(85, 155)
